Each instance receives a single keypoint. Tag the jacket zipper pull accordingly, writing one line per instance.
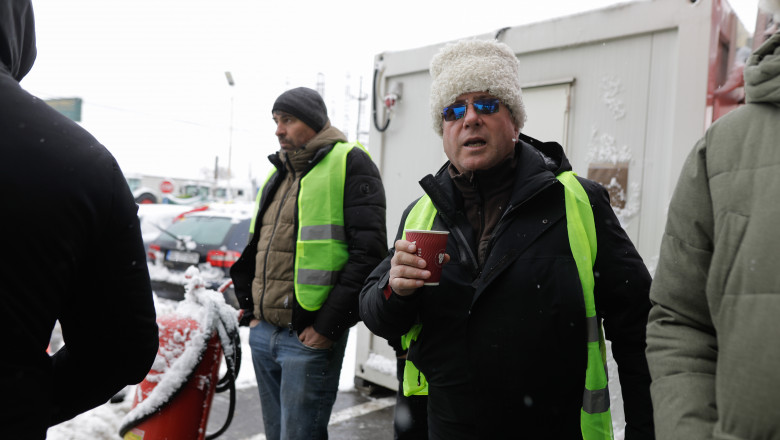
(418, 378)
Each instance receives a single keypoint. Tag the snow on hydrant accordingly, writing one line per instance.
(174, 400)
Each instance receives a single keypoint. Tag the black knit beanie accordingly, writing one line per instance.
(305, 104)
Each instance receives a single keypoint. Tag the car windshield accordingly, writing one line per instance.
(203, 230)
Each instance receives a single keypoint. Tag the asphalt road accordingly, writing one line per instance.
(357, 415)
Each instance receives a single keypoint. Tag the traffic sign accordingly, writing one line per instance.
(166, 187)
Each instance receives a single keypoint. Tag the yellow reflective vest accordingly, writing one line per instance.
(321, 242)
(595, 415)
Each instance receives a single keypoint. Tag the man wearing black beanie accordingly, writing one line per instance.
(318, 232)
(305, 104)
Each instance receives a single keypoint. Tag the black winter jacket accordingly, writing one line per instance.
(364, 222)
(503, 346)
(72, 252)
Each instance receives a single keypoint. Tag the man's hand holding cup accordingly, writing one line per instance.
(418, 260)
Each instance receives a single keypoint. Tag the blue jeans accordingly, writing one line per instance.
(297, 384)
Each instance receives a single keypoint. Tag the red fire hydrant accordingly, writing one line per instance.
(174, 400)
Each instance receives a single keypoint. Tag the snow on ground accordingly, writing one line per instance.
(379, 363)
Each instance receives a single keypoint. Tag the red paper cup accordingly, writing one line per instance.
(431, 247)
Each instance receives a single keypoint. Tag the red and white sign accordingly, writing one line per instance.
(166, 187)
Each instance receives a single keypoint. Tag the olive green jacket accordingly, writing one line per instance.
(713, 337)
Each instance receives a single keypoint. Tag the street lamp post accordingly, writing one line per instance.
(231, 83)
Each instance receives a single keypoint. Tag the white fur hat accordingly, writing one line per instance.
(475, 66)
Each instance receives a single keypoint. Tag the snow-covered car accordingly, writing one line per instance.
(210, 239)
(157, 216)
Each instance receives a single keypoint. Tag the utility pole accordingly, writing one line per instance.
(347, 101)
(360, 98)
(231, 83)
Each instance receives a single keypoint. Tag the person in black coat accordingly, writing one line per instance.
(72, 252)
(503, 337)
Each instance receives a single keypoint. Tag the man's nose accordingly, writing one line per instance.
(471, 117)
(280, 130)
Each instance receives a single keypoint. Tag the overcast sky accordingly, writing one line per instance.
(151, 72)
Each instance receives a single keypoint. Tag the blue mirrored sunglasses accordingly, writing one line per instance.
(486, 106)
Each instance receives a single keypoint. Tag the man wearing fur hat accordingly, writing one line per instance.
(318, 232)
(510, 341)
(712, 337)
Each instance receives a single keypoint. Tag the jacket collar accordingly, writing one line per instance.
(317, 148)
(537, 165)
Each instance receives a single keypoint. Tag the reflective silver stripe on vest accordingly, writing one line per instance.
(595, 401)
(592, 329)
(317, 277)
(323, 232)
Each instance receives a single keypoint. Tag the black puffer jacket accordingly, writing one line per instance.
(72, 252)
(364, 222)
(503, 345)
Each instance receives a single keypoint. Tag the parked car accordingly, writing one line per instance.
(157, 216)
(210, 238)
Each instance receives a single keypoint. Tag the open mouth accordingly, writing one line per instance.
(474, 143)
